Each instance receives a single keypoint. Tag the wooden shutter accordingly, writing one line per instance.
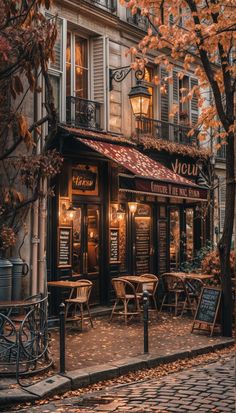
(165, 133)
(164, 97)
(193, 103)
(176, 94)
(57, 64)
(99, 75)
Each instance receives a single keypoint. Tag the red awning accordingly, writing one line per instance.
(136, 162)
(149, 176)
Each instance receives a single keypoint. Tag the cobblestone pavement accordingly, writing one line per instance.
(203, 389)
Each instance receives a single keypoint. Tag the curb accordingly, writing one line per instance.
(72, 380)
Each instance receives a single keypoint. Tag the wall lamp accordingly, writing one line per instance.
(139, 95)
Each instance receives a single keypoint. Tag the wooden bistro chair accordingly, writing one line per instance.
(125, 292)
(151, 288)
(193, 288)
(81, 299)
(174, 293)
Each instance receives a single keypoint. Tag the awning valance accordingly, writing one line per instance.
(149, 176)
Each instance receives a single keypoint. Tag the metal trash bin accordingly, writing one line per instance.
(5, 280)
(19, 270)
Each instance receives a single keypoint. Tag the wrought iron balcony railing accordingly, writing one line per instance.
(110, 5)
(83, 113)
(221, 153)
(167, 131)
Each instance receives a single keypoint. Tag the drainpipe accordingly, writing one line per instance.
(42, 268)
(35, 218)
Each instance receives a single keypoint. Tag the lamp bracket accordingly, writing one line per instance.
(120, 73)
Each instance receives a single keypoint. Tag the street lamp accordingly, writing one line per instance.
(139, 98)
(139, 95)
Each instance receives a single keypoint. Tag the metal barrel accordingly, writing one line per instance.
(18, 271)
(5, 280)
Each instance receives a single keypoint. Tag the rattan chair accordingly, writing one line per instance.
(151, 287)
(174, 293)
(125, 293)
(81, 299)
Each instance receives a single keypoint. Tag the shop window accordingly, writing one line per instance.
(189, 234)
(118, 236)
(174, 238)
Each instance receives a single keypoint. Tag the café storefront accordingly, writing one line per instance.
(118, 211)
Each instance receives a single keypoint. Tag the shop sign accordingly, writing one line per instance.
(169, 189)
(84, 180)
(185, 168)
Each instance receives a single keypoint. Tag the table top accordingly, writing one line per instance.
(137, 279)
(192, 275)
(67, 284)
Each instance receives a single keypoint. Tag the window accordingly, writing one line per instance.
(174, 238)
(76, 66)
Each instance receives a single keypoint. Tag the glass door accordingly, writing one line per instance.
(86, 245)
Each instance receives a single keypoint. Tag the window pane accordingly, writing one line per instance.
(81, 82)
(174, 238)
(55, 82)
(68, 79)
(81, 68)
(81, 57)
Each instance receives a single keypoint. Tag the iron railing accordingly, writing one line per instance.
(110, 5)
(24, 339)
(83, 113)
(221, 153)
(167, 131)
(138, 20)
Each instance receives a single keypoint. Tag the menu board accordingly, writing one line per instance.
(207, 309)
(162, 246)
(142, 244)
(208, 304)
(114, 245)
(64, 246)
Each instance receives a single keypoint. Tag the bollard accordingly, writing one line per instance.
(62, 337)
(145, 320)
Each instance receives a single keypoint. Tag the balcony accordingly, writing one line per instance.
(83, 113)
(167, 131)
(110, 5)
(138, 20)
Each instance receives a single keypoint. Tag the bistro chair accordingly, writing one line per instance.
(150, 287)
(174, 293)
(193, 288)
(81, 299)
(125, 293)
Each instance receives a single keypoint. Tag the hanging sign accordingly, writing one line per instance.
(64, 250)
(207, 309)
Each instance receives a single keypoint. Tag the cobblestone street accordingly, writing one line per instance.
(206, 388)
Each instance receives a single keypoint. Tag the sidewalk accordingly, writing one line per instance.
(112, 349)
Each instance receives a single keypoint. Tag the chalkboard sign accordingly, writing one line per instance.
(114, 245)
(207, 309)
(64, 246)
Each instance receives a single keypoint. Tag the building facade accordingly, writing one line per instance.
(130, 198)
